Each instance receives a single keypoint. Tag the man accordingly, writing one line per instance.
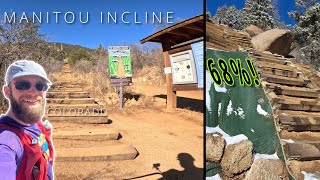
(26, 151)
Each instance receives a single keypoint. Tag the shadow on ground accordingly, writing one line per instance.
(189, 172)
(186, 103)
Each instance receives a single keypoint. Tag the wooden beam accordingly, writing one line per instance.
(171, 28)
(184, 34)
(171, 94)
(195, 28)
(179, 49)
(185, 87)
(303, 151)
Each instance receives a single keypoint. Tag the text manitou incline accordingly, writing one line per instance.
(70, 17)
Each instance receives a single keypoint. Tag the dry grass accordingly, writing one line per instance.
(150, 75)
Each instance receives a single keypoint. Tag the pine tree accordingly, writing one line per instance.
(261, 13)
(227, 14)
(307, 31)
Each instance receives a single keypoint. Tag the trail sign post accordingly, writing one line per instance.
(120, 68)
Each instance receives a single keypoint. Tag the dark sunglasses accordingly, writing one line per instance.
(25, 85)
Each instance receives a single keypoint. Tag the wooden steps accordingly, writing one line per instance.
(91, 107)
(294, 99)
(95, 134)
(223, 38)
(284, 80)
(68, 95)
(80, 119)
(299, 122)
(293, 91)
(297, 104)
(303, 151)
(71, 101)
(68, 103)
(106, 153)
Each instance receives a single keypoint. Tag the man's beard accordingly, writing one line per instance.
(27, 114)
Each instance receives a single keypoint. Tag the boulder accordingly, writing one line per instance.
(214, 147)
(253, 30)
(277, 41)
(267, 169)
(237, 158)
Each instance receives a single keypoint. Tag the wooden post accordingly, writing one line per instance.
(171, 95)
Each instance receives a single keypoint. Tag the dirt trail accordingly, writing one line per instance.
(158, 134)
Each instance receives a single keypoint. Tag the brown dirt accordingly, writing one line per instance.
(157, 133)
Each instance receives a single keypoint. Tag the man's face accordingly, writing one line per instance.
(27, 105)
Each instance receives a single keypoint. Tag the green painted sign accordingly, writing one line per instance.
(238, 107)
(120, 65)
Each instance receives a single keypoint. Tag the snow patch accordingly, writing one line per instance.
(288, 140)
(229, 139)
(310, 176)
(215, 177)
(261, 111)
(208, 87)
(240, 112)
(229, 108)
(266, 156)
(220, 88)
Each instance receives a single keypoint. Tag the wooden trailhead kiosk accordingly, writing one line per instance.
(183, 49)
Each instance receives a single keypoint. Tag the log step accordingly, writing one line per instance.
(65, 89)
(277, 72)
(79, 119)
(297, 104)
(284, 80)
(288, 112)
(87, 134)
(73, 106)
(293, 91)
(68, 95)
(106, 153)
(270, 60)
(70, 101)
(76, 111)
(274, 66)
(303, 151)
(299, 122)
(59, 85)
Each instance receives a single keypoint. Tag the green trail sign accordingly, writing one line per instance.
(120, 65)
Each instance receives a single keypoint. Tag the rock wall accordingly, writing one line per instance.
(238, 160)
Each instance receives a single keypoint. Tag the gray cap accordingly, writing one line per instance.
(25, 68)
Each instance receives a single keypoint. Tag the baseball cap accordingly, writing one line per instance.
(25, 68)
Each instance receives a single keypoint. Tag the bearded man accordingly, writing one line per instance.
(26, 151)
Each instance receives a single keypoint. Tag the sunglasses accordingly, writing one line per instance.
(25, 85)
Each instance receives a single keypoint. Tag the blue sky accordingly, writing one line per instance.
(94, 33)
(284, 7)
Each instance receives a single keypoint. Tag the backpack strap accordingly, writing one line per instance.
(47, 133)
(24, 137)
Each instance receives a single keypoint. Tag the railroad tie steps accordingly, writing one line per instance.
(68, 103)
(292, 94)
(296, 105)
